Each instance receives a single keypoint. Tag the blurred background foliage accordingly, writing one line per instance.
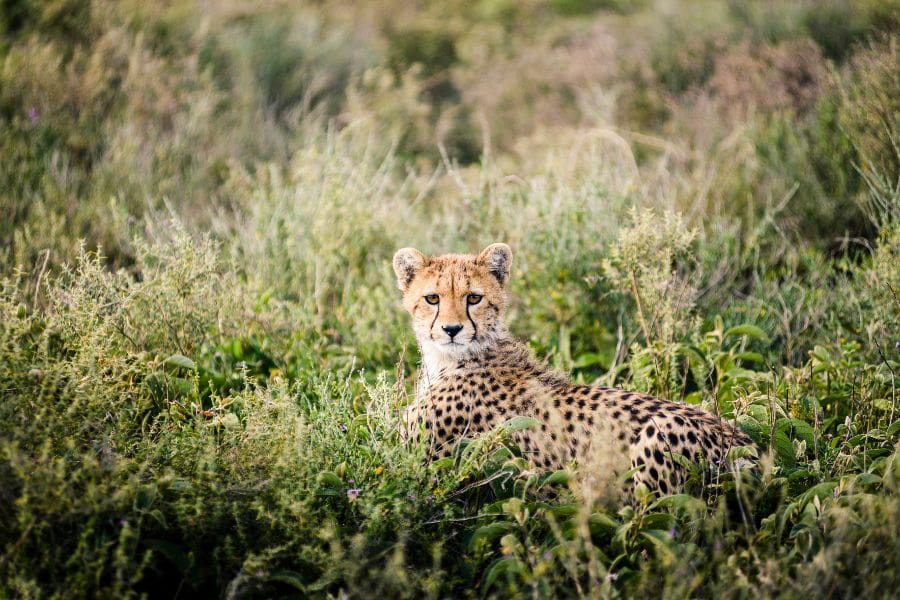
(201, 349)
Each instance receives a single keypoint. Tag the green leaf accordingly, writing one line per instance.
(882, 404)
(502, 566)
(747, 330)
(627, 475)
(327, 479)
(600, 522)
(754, 357)
(799, 475)
(738, 373)
(145, 497)
(752, 427)
(179, 361)
(292, 578)
(681, 502)
(588, 359)
(519, 423)
(489, 533)
(181, 386)
(784, 449)
(564, 510)
(662, 544)
(866, 479)
(739, 452)
(556, 478)
(797, 429)
(822, 490)
(359, 426)
(443, 463)
(661, 521)
(693, 352)
(893, 429)
(693, 398)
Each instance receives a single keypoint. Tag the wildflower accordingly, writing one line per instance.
(611, 576)
(343, 428)
(379, 470)
(672, 532)
(430, 499)
(34, 114)
(353, 494)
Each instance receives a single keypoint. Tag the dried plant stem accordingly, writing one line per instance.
(640, 308)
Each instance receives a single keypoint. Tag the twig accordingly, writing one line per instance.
(640, 308)
(18, 543)
(41, 272)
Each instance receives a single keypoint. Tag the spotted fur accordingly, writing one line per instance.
(475, 376)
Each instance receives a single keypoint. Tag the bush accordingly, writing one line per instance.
(203, 360)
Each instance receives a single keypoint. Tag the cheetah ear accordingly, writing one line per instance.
(408, 262)
(498, 259)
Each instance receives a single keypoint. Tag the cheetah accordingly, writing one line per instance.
(475, 375)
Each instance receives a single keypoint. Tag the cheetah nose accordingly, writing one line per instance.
(452, 330)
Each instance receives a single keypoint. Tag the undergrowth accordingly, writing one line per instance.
(203, 360)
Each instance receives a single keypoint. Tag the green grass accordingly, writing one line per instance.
(203, 359)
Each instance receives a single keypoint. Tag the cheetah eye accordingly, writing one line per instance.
(474, 298)
(432, 298)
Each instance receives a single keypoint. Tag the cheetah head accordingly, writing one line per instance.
(457, 301)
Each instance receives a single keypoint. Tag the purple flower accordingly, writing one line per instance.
(672, 532)
(34, 114)
(343, 428)
(430, 499)
(353, 494)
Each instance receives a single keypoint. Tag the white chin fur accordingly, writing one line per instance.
(438, 357)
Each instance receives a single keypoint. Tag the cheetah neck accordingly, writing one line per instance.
(435, 364)
(438, 364)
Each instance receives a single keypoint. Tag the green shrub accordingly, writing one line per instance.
(838, 25)
(203, 360)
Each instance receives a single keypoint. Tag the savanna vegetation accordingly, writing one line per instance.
(202, 354)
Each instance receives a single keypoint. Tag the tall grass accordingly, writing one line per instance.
(202, 356)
